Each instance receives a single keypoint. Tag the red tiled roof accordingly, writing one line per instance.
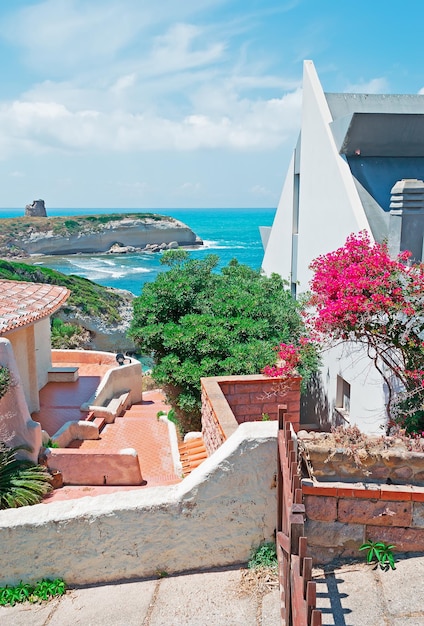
(23, 303)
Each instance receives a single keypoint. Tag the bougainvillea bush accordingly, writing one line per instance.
(360, 294)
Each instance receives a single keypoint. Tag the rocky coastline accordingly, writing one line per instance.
(94, 234)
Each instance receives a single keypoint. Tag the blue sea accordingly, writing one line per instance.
(228, 233)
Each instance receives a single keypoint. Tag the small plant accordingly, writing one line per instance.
(380, 553)
(265, 417)
(24, 592)
(22, 482)
(51, 444)
(264, 556)
(5, 380)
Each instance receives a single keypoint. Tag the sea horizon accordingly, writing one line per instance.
(230, 233)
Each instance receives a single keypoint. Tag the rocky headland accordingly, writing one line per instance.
(91, 234)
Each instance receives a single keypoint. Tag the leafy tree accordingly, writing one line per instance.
(198, 322)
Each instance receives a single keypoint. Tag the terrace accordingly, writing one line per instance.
(136, 426)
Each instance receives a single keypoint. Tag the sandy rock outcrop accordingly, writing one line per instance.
(104, 335)
(126, 232)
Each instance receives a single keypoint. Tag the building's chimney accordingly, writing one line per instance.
(406, 227)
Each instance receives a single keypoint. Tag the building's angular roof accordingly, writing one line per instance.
(23, 303)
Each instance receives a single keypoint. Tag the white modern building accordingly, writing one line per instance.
(358, 165)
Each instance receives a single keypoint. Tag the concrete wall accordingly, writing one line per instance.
(214, 517)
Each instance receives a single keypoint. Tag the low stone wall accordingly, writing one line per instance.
(341, 516)
(396, 465)
(213, 518)
(228, 401)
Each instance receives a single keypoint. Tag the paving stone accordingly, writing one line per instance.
(402, 587)
(271, 608)
(350, 596)
(27, 614)
(210, 598)
(123, 604)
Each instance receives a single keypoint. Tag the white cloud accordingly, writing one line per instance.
(257, 125)
(375, 85)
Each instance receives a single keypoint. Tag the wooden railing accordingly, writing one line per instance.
(297, 590)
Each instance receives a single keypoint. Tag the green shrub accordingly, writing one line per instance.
(22, 483)
(5, 380)
(264, 556)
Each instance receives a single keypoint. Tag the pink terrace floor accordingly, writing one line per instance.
(138, 428)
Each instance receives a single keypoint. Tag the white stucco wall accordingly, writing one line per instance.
(213, 518)
(367, 399)
(330, 208)
(42, 336)
(277, 257)
(16, 425)
(23, 343)
(329, 211)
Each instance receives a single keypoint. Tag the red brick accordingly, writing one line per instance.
(368, 494)
(321, 508)
(396, 492)
(404, 539)
(417, 494)
(319, 490)
(379, 513)
(345, 492)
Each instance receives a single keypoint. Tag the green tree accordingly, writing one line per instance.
(197, 322)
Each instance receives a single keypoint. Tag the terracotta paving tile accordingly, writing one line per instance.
(138, 428)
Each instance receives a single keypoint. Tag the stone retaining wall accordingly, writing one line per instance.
(341, 516)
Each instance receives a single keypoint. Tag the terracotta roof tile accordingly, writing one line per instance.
(23, 303)
(192, 454)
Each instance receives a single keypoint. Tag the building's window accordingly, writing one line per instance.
(343, 397)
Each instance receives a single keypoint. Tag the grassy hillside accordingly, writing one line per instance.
(88, 297)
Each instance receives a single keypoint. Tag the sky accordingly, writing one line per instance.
(180, 103)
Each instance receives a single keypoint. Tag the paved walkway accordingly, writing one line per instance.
(350, 595)
(199, 599)
(361, 595)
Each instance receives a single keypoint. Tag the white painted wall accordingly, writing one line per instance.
(16, 425)
(23, 343)
(214, 517)
(329, 211)
(277, 257)
(42, 336)
(330, 208)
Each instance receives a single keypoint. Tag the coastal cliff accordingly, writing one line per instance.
(23, 236)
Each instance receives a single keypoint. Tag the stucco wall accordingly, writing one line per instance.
(23, 343)
(212, 518)
(16, 425)
(42, 337)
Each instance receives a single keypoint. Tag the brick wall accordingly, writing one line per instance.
(340, 517)
(228, 401)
